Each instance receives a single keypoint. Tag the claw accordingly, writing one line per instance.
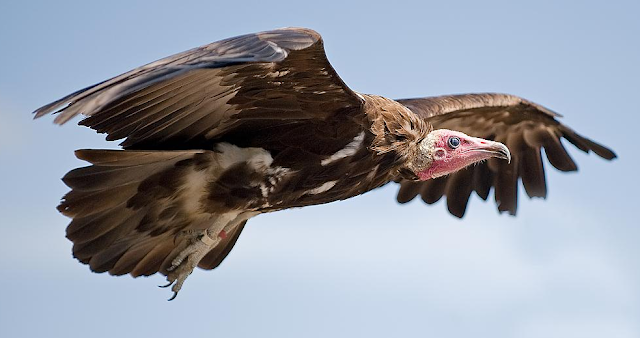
(187, 259)
(175, 294)
(166, 286)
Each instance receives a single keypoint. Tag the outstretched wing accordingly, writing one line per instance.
(523, 126)
(270, 89)
(245, 84)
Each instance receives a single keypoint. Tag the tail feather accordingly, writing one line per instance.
(98, 177)
(129, 205)
(152, 262)
(87, 203)
(130, 259)
(215, 257)
(105, 259)
(87, 228)
(84, 250)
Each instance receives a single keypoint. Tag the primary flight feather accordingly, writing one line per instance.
(261, 122)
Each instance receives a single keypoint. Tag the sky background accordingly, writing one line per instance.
(568, 266)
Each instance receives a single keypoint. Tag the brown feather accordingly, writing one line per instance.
(107, 257)
(86, 249)
(114, 228)
(506, 186)
(558, 156)
(532, 172)
(458, 190)
(433, 190)
(190, 99)
(408, 191)
(215, 257)
(482, 180)
(85, 203)
(151, 263)
(87, 228)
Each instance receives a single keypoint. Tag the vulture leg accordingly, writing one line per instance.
(198, 244)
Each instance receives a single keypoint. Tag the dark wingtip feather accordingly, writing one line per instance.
(458, 191)
(601, 150)
(44, 110)
(457, 210)
(60, 105)
(510, 210)
(506, 185)
(586, 144)
(53, 107)
(558, 155)
(408, 191)
(432, 190)
(482, 180)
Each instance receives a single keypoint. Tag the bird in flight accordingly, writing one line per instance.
(261, 122)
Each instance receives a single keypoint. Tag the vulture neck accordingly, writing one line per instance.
(396, 129)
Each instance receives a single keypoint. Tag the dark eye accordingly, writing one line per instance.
(454, 142)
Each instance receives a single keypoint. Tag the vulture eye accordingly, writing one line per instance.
(454, 142)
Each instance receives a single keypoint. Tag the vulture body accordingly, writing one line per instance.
(261, 122)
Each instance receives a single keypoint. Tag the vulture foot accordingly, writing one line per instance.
(187, 260)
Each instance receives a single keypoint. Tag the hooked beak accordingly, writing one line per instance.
(491, 148)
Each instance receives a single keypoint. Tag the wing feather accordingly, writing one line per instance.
(482, 180)
(192, 99)
(458, 191)
(532, 172)
(433, 190)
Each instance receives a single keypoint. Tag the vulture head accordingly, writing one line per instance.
(445, 151)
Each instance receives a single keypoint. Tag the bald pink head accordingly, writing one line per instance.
(450, 151)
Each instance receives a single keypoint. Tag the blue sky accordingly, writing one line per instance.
(564, 267)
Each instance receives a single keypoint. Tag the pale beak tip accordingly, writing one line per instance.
(505, 153)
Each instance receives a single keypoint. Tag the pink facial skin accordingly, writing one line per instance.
(448, 159)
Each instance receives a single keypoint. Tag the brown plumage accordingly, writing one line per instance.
(258, 123)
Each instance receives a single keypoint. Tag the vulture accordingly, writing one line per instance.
(261, 122)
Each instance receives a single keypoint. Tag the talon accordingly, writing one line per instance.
(186, 261)
(175, 294)
(166, 286)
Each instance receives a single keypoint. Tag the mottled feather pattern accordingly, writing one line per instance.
(395, 128)
(133, 221)
(153, 197)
